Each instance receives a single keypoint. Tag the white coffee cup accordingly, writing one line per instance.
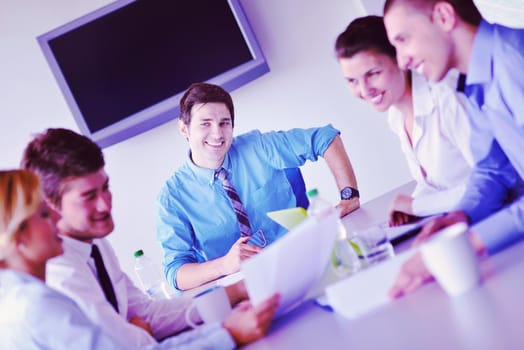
(212, 305)
(451, 259)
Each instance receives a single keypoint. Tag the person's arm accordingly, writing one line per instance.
(338, 161)
(489, 185)
(192, 275)
(491, 182)
(165, 317)
(244, 325)
(51, 320)
(414, 274)
(80, 284)
(287, 149)
(437, 202)
(248, 323)
(212, 336)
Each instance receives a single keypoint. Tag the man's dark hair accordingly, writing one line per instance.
(465, 9)
(204, 93)
(59, 154)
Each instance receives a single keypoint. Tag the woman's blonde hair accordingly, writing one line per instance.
(20, 196)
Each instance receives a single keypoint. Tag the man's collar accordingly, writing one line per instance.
(79, 247)
(207, 175)
(480, 69)
(423, 103)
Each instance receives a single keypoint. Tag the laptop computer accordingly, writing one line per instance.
(293, 264)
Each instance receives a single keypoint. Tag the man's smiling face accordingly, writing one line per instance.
(209, 133)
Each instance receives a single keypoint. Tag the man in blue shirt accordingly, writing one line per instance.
(432, 37)
(197, 226)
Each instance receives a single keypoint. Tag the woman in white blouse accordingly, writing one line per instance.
(429, 118)
(34, 316)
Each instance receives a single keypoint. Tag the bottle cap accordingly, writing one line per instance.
(138, 253)
(312, 193)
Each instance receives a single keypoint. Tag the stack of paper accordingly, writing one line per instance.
(366, 290)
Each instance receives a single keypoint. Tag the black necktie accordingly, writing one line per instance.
(103, 277)
(461, 82)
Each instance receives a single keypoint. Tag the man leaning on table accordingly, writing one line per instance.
(76, 187)
(432, 37)
(198, 222)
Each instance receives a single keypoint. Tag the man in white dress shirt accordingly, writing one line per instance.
(76, 186)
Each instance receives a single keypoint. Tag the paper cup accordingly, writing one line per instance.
(451, 259)
(212, 305)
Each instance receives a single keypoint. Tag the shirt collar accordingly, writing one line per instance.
(206, 175)
(423, 103)
(480, 68)
(80, 248)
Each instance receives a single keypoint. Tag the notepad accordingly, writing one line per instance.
(288, 218)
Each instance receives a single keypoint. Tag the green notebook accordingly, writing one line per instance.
(289, 218)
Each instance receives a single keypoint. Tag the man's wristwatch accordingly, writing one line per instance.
(348, 193)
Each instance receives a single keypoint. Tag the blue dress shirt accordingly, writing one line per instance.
(495, 86)
(196, 222)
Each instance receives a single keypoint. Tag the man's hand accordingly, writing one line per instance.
(247, 323)
(240, 251)
(237, 292)
(412, 275)
(438, 224)
(401, 211)
(347, 206)
(140, 323)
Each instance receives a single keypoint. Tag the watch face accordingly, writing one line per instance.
(346, 193)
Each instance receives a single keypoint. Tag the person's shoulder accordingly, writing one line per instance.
(177, 178)
(34, 298)
(247, 139)
(505, 32)
(247, 136)
(508, 40)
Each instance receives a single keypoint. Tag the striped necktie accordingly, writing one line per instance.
(243, 221)
(258, 238)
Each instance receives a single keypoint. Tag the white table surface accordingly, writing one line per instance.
(490, 316)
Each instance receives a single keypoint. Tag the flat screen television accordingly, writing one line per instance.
(124, 67)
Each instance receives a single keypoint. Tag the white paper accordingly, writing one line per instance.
(366, 290)
(292, 265)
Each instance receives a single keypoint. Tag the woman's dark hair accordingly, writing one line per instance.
(364, 34)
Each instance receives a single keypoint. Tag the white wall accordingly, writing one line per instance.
(303, 89)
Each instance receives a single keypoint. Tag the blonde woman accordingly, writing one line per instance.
(33, 315)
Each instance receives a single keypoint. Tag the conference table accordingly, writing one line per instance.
(490, 316)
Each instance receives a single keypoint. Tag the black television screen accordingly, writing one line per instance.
(124, 67)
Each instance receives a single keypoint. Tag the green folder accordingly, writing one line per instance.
(289, 218)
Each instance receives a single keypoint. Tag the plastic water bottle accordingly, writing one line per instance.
(317, 205)
(151, 280)
(344, 259)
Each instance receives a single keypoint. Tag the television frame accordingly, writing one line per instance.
(165, 110)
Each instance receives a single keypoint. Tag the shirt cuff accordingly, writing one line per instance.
(498, 231)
